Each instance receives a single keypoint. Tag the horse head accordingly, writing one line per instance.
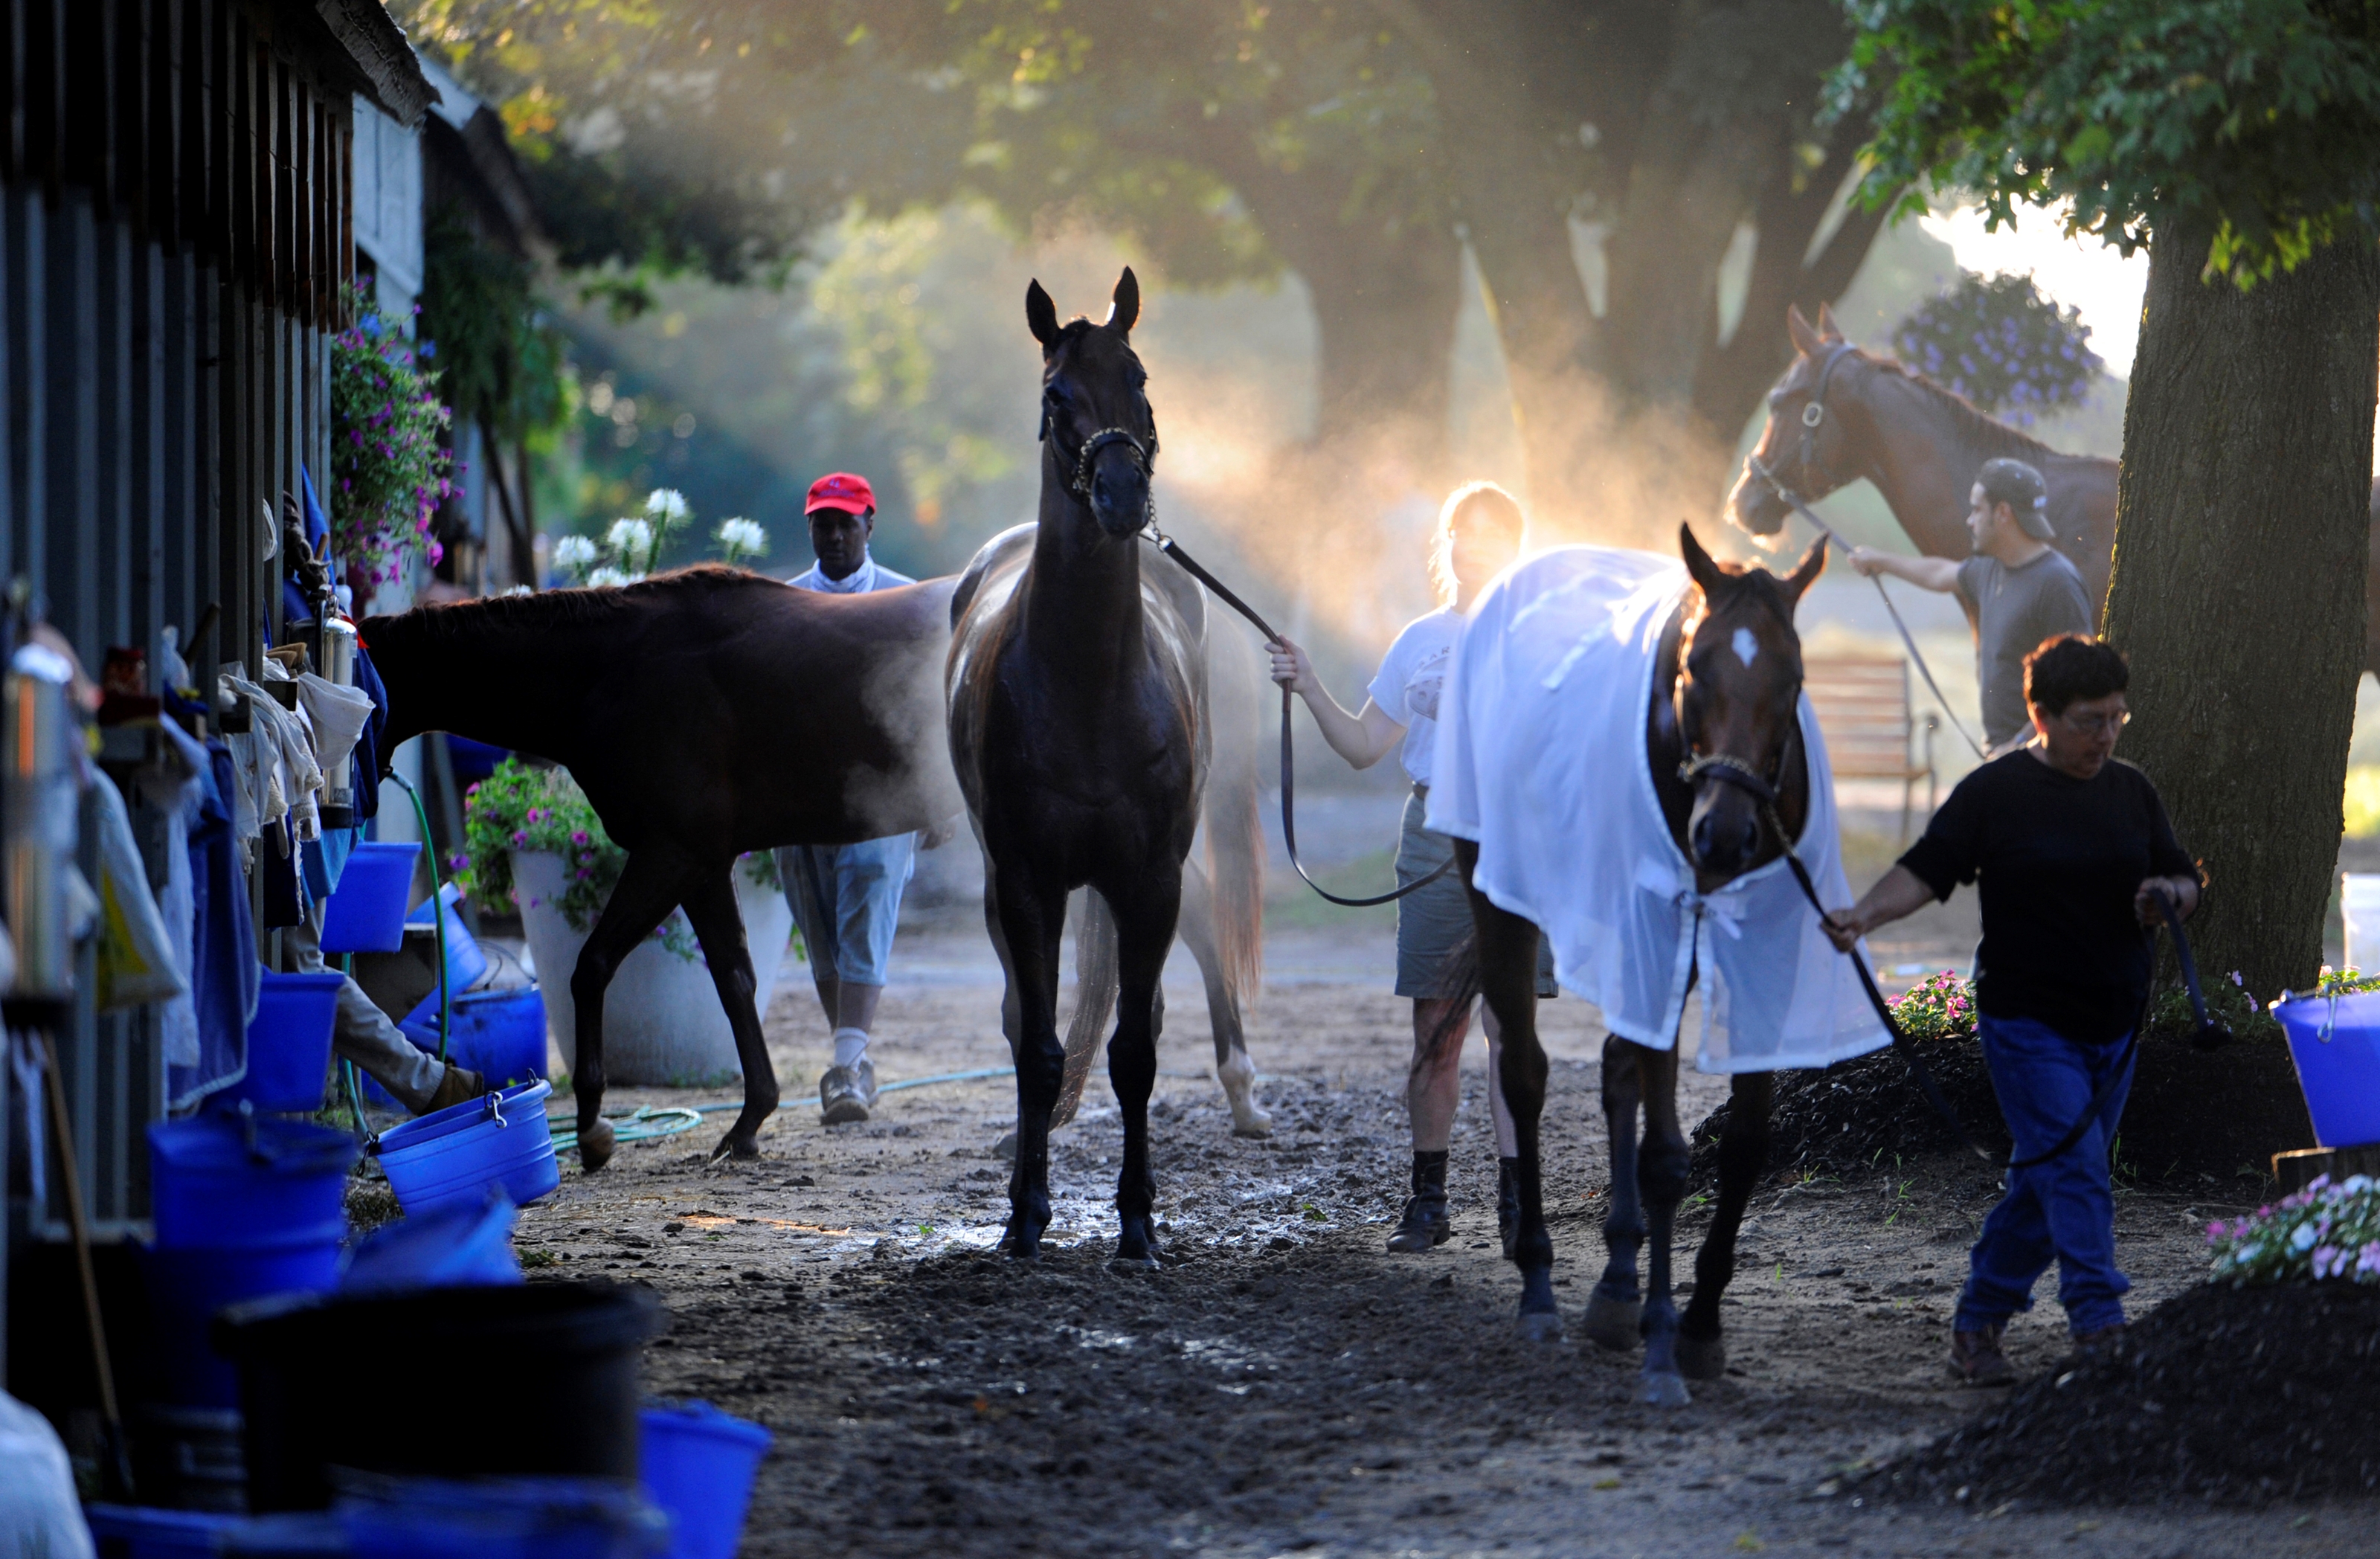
(1095, 415)
(1804, 445)
(1738, 699)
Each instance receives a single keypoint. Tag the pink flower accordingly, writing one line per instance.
(578, 836)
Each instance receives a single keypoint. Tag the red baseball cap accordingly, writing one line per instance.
(841, 489)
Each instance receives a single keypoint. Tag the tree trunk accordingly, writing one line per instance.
(1385, 304)
(2242, 525)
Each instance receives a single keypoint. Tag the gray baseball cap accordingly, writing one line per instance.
(2020, 486)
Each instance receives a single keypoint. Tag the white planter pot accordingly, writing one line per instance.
(662, 1022)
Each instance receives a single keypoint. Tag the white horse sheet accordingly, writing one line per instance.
(1541, 758)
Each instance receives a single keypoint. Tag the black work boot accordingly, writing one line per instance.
(1425, 1224)
(1508, 1202)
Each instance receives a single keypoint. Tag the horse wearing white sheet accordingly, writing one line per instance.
(1624, 754)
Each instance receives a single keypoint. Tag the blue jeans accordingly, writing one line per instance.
(2064, 1208)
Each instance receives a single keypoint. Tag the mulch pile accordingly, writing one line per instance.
(2221, 1115)
(2235, 1397)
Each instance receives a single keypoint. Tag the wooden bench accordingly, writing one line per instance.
(1862, 707)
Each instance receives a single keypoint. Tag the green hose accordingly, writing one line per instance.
(437, 911)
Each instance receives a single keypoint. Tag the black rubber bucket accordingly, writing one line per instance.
(448, 1383)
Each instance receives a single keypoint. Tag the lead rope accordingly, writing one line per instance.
(2208, 1033)
(1191, 566)
(1793, 500)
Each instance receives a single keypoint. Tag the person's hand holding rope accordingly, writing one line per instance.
(2183, 891)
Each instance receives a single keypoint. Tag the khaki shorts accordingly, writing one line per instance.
(1435, 921)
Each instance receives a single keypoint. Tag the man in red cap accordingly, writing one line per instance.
(847, 897)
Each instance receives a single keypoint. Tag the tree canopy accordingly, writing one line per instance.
(2254, 120)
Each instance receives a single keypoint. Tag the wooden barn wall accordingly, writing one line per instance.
(174, 236)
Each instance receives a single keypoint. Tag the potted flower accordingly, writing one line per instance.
(532, 842)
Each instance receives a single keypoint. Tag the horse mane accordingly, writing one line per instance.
(1977, 428)
(574, 606)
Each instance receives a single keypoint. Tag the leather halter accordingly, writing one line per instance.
(1814, 415)
(1078, 481)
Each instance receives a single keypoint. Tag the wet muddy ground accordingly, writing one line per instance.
(1281, 1385)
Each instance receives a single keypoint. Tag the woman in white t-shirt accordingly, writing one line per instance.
(1479, 535)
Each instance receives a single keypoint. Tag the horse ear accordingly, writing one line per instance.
(1805, 573)
(1041, 314)
(1827, 330)
(1699, 566)
(1125, 312)
(1806, 341)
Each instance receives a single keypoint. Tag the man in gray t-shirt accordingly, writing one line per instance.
(2019, 588)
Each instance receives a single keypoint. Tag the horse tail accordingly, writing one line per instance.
(1459, 978)
(1235, 846)
(1098, 975)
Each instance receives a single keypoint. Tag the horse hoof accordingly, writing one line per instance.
(1539, 1326)
(1702, 1359)
(1255, 1124)
(595, 1145)
(1663, 1389)
(736, 1146)
(1614, 1323)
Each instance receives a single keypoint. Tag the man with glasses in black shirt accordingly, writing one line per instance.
(2069, 849)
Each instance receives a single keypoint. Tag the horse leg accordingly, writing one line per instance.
(647, 892)
(1232, 1067)
(1144, 925)
(1508, 979)
(1615, 1311)
(1661, 1168)
(1031, 924)
(1742, 1155)
(719, 926)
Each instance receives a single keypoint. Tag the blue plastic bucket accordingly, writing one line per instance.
(451, 1158)
(218, 1180)
(459, 1247)
(498, 1518)
(2337, 1047)
(500, 1034)
(698, 1464)
(189, 1284)
(130, 1531)
(467, 962)
(366, 912)
(289, 1044)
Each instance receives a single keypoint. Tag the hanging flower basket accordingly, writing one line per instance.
(390, 466)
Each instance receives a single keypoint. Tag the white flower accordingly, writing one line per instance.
(629, 535)
(574, 553)
(2303, 1239)
(516, 589)
(741, 538)
(606, 575)
(666, 504)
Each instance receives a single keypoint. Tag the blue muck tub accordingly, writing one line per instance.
(2335, 1044)
(452, 1157)
(289, 1044)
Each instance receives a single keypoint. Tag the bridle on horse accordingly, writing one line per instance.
(1813, 417)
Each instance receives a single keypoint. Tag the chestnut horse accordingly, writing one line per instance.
(1723, 709)
(1080, 726)
(1921, 446)
(707, 713)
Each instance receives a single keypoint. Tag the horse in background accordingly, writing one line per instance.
(1083, 732)
(707, 713)
(1921, 446)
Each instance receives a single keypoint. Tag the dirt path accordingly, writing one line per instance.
(1281, 1385)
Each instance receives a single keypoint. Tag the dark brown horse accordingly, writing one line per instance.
(1726, 689)
(707, 713)
(1080, 726)
(1922, 446)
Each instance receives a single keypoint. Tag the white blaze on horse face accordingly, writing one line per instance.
(1747, 649)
